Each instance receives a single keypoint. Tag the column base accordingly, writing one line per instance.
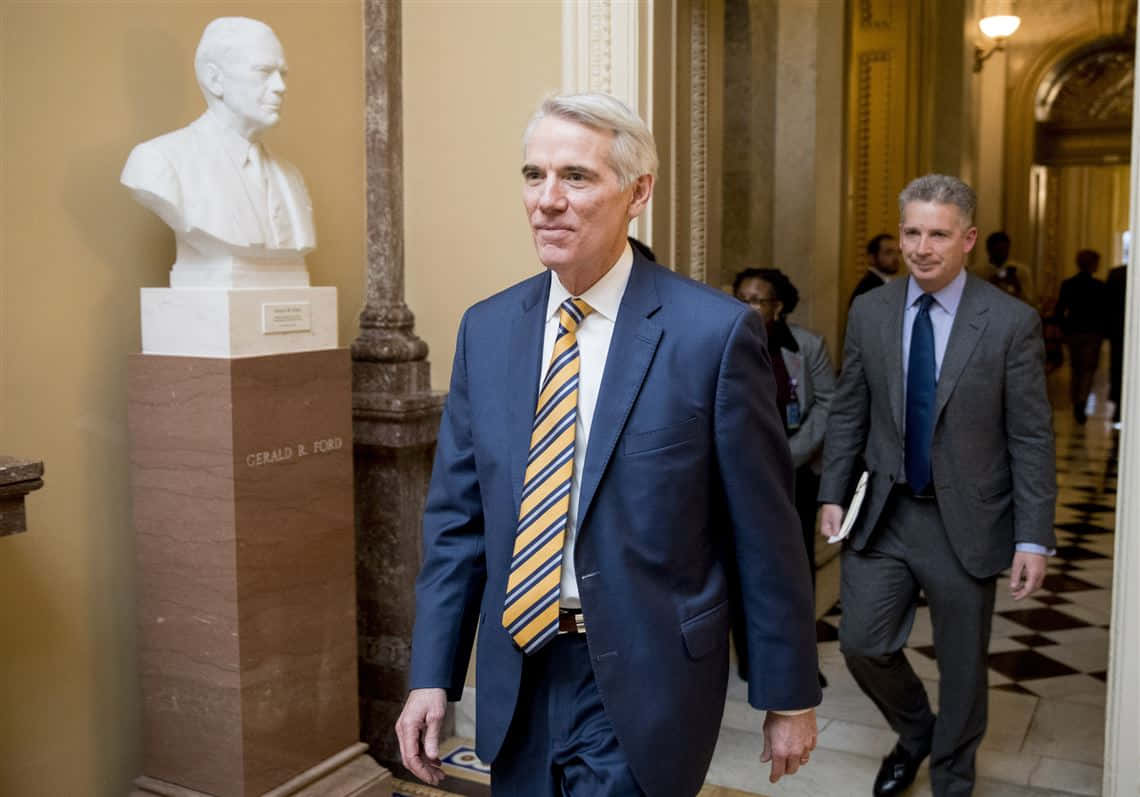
(349, 773)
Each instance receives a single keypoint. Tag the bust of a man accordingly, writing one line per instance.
(232, 204)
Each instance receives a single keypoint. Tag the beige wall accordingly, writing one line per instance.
(81, 83)
(783, 149)
(473, 74)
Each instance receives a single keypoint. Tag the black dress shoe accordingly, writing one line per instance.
(897, 773)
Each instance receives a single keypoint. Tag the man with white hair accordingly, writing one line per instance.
(609, 460)
(213, 182)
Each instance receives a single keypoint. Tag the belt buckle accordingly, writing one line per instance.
(571, 621)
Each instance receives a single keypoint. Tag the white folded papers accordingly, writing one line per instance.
(853, 508)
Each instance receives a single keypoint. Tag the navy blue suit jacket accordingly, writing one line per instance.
(687, 475)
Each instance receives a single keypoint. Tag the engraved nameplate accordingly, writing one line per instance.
(278, 317)
(289, 452)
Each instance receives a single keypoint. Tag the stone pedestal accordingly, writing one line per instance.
(242, 484)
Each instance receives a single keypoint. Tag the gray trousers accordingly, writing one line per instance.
(878, 593)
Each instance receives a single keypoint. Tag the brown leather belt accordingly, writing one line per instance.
(570, 621)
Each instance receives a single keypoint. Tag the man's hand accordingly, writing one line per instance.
(830, 519)
(788, 742)
(418, 732)
(1027, 574)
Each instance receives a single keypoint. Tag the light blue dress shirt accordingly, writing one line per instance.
(942, 312)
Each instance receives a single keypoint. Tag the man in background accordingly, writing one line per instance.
(882, 264)
(1082, 311)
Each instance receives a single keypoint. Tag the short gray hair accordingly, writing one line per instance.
(943, 189)
(221, 41)
(634, 151)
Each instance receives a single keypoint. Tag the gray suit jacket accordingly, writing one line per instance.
(815, 380)
(992, 454)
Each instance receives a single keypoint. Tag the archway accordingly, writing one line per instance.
(1080, 174)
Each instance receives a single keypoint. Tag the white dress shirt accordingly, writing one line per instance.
(594, 334)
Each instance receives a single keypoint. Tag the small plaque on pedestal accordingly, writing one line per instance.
(280, 317)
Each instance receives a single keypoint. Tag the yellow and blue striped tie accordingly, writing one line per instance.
(530, 613)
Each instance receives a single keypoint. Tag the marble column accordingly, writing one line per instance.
(395, 412)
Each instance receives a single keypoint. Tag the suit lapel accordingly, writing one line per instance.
(527, 331)
(893, 296)
(632, 347)
(969, 323)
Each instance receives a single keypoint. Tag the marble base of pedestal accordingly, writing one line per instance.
(350, 773)
(242, 484)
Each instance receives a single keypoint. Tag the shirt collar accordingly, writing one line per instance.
(604, 295)
(947, 298)
(236, 146)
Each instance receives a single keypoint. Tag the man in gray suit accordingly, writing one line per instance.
(942, 396)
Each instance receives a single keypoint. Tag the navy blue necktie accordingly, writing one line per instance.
(920, 387)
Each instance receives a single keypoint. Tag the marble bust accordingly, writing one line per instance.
(241, 216)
